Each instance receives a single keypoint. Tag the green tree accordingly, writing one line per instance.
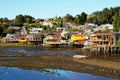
(46, 28)
(59, 21)
(19, 20)
(37, 22)
(55, 25)
(78, 20)
(28, 19)
(116, 23)
(1, 30)
(4, 23)
(105, 15)
(4, 20)
(92, 20)
(84, 17)
(68, 18)
(73, 30)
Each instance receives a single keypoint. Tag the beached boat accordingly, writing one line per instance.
(80, 56)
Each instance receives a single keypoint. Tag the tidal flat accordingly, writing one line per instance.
(61, 59)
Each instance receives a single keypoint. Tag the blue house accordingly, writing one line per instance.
(66, 27)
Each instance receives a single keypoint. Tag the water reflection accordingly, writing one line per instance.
(23, 50)
(45, 74)
(9, 57)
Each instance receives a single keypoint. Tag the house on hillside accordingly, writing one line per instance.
(14, 27)
(104, 27)
(59, 30)
(35, 30)
(47, 22)
(69, 24)
(67, 27)
(87, 27)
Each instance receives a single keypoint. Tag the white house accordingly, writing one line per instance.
(104, 27)
(47, 22)
(35, 30)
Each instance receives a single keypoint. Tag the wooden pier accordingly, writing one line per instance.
(105, 43)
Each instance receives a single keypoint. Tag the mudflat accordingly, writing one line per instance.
(36, 62)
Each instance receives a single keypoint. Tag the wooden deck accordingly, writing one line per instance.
(104, 43)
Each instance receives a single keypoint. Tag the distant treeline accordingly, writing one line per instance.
(104, 16)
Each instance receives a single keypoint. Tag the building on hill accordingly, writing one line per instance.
(69, 24)
(47, 22)
(34, 30)
(104, 27)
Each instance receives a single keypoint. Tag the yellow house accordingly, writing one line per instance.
(22, 41)
(76, 37)
(21, 38)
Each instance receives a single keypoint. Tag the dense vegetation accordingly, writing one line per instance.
(111, 16)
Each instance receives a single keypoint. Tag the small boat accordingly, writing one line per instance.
(80, 56)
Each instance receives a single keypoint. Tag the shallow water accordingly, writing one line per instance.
(23, 50)
(9, 57)
(7, 73)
